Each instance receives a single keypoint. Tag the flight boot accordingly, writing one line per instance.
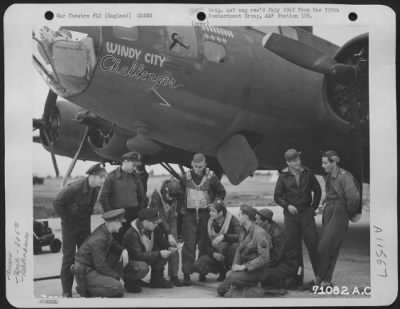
(157, 281)
(222, 276)
(175, 281)
(132, 286)
(202, 278)
(186, 280)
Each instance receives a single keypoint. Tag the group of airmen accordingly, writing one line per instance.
(251, 251)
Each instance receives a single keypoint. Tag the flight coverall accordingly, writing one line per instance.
(123, 190)
(144, 252)
(254, 252)
(227, 247)
(283, 259)
(168, 214)
(74, 204)
(200, 190)
(297, 192)
(97, 268)
(342, 202)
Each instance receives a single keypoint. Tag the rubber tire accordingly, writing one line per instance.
(37, 248)
(55, 245)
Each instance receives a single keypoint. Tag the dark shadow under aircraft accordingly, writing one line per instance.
(241, 95)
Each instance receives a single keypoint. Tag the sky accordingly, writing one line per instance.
(41, 159)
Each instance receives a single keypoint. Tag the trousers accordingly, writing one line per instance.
(302, 226)
(194, 235)
(206, 264)
(91, 283)
(131, 213)
(278, 273)
(173, 260)
(73, 234)
(136, 270)
(242, 279)
(335, 222)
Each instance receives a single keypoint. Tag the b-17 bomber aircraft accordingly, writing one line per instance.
(241, 95)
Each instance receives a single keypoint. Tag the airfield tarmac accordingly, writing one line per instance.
(352, 268)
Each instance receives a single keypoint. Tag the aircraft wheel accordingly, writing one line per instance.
(55, 245)
(37, 248)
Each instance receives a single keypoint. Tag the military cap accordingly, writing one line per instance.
(149, 214)
(132, 156)
(265, 213)
(249, 211)
(96, 169)
(174, 188)
(292, 154)
(331, 154)
(215, 203)
(114, 215)
(199, 158)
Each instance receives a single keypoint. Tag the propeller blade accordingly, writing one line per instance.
(36, 139)
(49, 104)
(309, 58)
(38, 124)
(73, 162)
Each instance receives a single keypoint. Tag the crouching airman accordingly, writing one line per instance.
(223, 239)
(283, 265)
(252, 255)
(147, 248)
(97, 272)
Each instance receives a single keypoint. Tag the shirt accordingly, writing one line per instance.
(342, 185)
(215, 188)
(76, 201)
(122, 190)
(254, 248)
(94, 250)
(288, 192)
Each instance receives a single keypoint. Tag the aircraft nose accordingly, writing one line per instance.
(65, 61)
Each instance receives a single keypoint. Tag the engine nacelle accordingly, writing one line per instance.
(107, 142)
(63, 133)
(355, 53)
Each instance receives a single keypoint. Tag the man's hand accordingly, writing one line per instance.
(237, 267)
(292, 209)
(165, 254)
(124, 258)
(172, 249)
(172, 241)
(218, 256)
(217, 240)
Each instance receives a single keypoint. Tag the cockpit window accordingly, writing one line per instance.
(214, 52)
(65, 58)
(126, 33)
(182, 41)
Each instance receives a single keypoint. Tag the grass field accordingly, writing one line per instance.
(255, 191)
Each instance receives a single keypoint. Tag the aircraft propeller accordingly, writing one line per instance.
(350, 76)
(45, 125)
(309, 58)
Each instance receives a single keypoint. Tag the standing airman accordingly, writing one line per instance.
(201, 187)
(74, 204)
(342, 203)
(293, 192)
